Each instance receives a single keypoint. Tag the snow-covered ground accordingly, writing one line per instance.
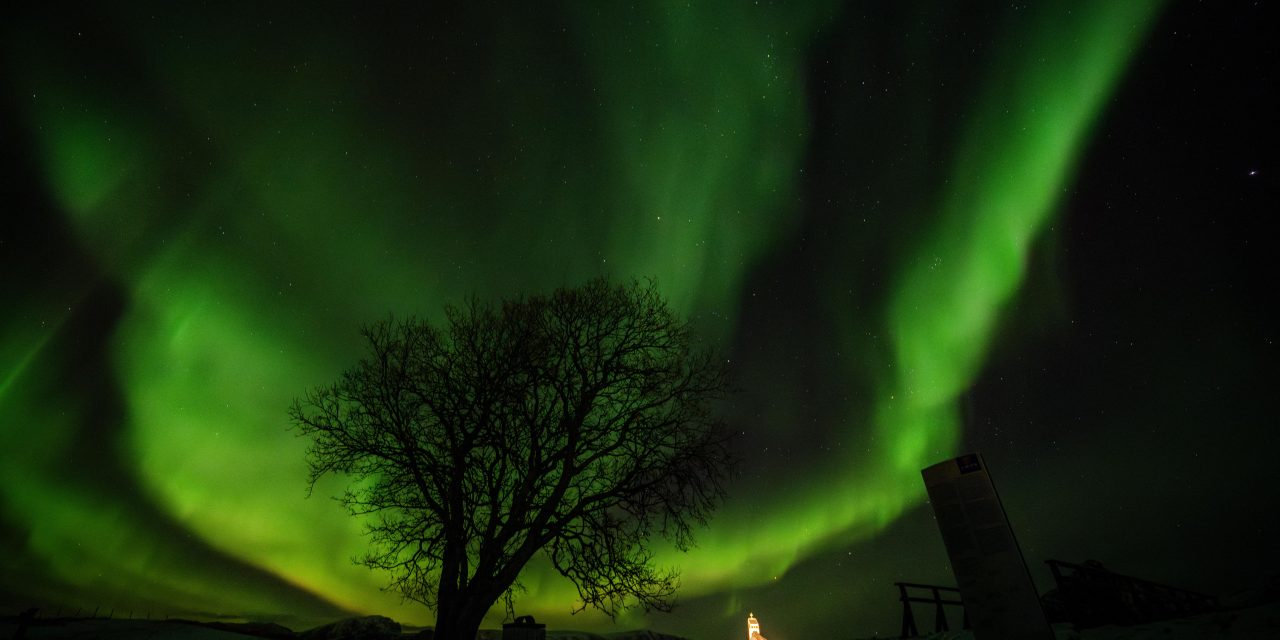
(118, 630)
(163, 630)
(1255, 623)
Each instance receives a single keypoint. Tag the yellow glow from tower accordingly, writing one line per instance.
(753, 628)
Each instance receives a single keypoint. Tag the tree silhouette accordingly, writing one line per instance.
(576, 424)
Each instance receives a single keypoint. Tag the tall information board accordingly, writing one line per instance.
(999, 598)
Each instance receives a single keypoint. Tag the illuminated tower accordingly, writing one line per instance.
(753, 628)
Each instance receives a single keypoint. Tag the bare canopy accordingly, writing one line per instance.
(576, 424)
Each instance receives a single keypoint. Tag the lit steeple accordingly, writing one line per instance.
(753, 628)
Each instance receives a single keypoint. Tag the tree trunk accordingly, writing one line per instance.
(462, 621)
(447, 604)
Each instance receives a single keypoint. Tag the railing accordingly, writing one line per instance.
(1092, 596)
(909, 629)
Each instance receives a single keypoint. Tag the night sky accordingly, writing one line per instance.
(1035, 231)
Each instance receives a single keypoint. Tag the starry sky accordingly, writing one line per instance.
(914, 228)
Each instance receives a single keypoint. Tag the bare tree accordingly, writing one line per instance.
(576, 424)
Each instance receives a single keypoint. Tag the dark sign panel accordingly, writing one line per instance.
(999, 597)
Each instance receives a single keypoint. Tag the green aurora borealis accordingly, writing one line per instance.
(238, 191)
